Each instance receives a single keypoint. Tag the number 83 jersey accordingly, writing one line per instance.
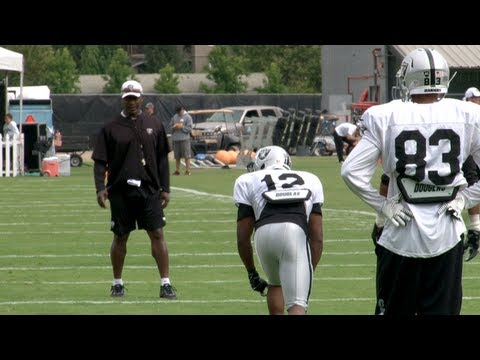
(423, 148)
(279, 195)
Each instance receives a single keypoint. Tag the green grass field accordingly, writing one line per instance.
(55, 244)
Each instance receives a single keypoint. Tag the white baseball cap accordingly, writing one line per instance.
(131, 88)
(472, 92)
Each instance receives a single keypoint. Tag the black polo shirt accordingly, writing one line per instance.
(133, 149)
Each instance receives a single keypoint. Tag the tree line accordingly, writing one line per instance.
(288, 68)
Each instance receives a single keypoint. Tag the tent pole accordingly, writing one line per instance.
(6, 91)
(21, 97)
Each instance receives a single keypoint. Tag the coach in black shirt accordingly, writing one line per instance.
(132, 149)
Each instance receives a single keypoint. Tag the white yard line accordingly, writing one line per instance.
(122, 301)
(23, 256)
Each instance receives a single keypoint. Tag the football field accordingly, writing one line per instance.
(55, 242)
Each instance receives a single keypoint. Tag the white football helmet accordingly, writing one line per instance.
(271, 157)
(423, 71)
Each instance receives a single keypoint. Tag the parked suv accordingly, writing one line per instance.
(227, 125)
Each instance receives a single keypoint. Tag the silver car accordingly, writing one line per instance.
(225, 126)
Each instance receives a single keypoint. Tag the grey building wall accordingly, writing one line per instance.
(342, 67)
(200, 57)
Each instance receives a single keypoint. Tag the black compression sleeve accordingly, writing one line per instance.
(244, 211)
(317, 208)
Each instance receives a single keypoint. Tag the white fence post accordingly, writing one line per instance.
(2, 145)
(11, 156)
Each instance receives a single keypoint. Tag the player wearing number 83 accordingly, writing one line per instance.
(285, 209)
(422, 140)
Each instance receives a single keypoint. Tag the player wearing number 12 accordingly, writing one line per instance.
(422, 139)
(285, 209)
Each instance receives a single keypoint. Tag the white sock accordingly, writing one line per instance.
(474, 222)
(117, 281)
(165, 281)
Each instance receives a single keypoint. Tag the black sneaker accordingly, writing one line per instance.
(117, 290)
(167, 291)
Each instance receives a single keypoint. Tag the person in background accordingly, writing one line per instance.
(422, 141)
(133, 149)
(347, 133)
(150, 108)
(472, 94)
(284, 207)
(10, 127)
(181, 126)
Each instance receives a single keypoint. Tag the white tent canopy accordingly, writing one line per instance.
(10, 60)
(13, 61)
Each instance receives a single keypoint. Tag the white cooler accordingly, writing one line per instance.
(64, 160)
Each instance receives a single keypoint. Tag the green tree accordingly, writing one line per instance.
(301, 68)
(257, 57)
(90, 60)
(274, 83)
(75, 52)
(299, 65)
(36, 59)
(62, 75)
(168, 81)
(107, 53)
(225, 70)
(158, 56)
(118, 71)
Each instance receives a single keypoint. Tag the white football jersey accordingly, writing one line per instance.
(422, 149)
(253, 188)
(345, 129)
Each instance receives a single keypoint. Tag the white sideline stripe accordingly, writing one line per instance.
(48, 268)
(157, 282)
(108, 222)
(137, 267)
(230, 198)
(189, 282)
(108, 232)
(89, 203)
(149, 255)
(210, 231)
(174, 242)
(159, 301)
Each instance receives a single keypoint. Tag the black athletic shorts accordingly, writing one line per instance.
(419, 286)
(135, 206)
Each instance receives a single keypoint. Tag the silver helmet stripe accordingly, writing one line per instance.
(432, 67)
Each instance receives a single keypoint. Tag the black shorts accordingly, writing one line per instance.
(135, 206)
(419, 286)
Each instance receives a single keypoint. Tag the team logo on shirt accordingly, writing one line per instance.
(149, 131)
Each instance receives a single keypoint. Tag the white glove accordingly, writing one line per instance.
(454, 207)
(395, 212)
